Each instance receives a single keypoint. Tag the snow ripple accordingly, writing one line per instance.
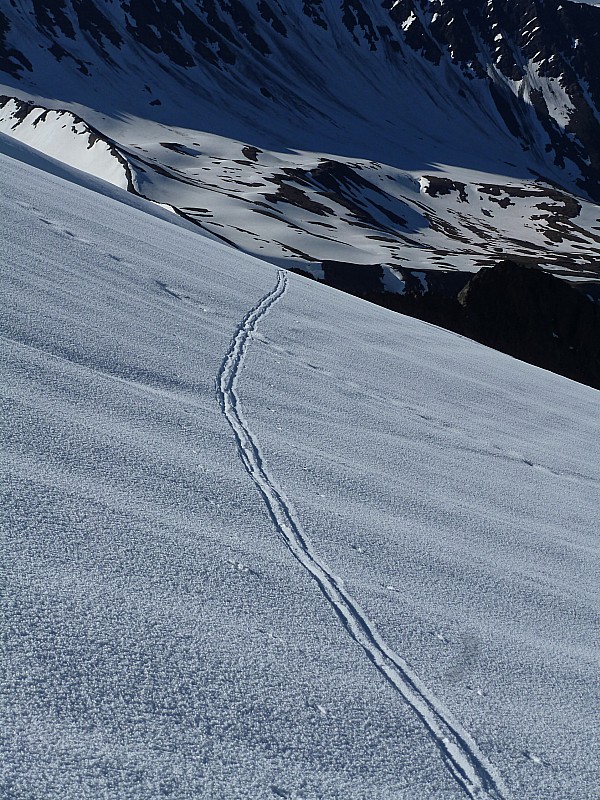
(467, 764)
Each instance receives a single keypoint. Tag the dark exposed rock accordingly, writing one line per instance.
(413, 28)
(339, 182)
(92, 21)
(251, 153)
(12, 61)
(354, 16)
(518, 309)
(271, 17)
(296, 197)
(358, 279)
(52, 17)
(314, 10)
(441, 186)
(535, 317)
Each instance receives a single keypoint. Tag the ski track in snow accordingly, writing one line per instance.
(467, 764)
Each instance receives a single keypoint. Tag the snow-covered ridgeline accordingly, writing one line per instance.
(66, 137)
(304, 209)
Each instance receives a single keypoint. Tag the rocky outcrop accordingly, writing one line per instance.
(531, 315)
(518, 309)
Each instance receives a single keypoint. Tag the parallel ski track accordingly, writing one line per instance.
(467, 764)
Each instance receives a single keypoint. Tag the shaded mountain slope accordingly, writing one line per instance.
(324, 132)
(515, 308)
(323, 62)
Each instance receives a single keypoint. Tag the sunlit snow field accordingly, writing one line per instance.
(159, 637)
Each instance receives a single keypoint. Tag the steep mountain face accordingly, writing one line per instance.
(535, 317)
(408, 135)
(538, 54)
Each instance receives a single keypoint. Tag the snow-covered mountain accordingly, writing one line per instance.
(261, 539)
(406, 136)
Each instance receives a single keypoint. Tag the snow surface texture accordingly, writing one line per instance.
(464, 759)
(168, 631)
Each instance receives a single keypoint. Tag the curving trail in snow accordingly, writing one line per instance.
(467, 764)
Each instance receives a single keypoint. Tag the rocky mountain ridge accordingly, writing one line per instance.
(535, 60)
(516, 308)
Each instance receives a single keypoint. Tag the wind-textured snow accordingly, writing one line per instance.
(218, 523)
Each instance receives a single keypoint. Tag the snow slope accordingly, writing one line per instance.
(262, 539)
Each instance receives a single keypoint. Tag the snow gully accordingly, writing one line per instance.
(467, 764)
